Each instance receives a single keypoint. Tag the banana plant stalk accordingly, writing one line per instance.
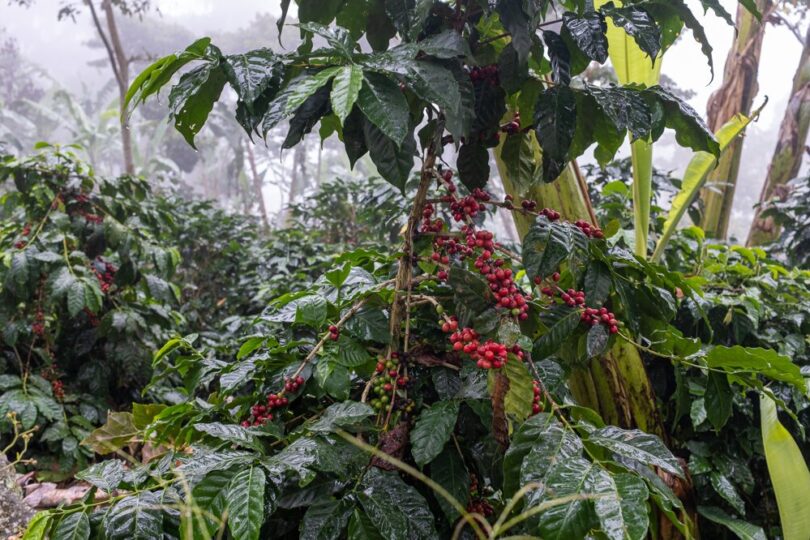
(633, 66)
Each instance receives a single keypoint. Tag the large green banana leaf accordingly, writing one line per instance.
(789, 474)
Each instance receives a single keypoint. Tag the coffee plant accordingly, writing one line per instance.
(454, 387)
(87, 296)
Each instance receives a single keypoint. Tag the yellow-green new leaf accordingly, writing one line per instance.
(694, 177)
(788, 471)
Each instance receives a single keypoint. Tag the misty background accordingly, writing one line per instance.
(61, 68)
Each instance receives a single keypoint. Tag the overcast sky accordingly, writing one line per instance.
(60, 48)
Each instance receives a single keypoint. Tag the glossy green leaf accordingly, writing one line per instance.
(756, 360)
(743, 529)
(448, 471)
(306, 87)
(385, 106)
(361, 527)
(253, 72)
(345, 90)
(160, 72)
(588, 32)
(562, 321)
(639, 25)
(539, 440)
(636, 445)
(396, 509)
(432, 430)
(193, 97)
(349, 415)
(245, 503)
(394, 162)
(326, 519)
(75, 526)
(135, 517)
(473, 165)
(718, 399)
(555, 118)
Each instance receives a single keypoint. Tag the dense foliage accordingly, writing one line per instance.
(449, 386)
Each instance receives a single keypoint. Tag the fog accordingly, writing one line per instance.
(69, 56)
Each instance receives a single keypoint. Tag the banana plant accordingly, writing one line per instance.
(694, 177)
(789, 474)
(633, 66)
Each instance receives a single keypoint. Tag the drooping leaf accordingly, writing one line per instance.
(516, 22)
(473, 165)
(518, 399)
(560, 59)
(160, 72)
(555, 123)
(432, 430)
(638, 24)
(718, 399)
(690, 129)
(193, 97)
(588, 32)
(253, 72)
(394, 162)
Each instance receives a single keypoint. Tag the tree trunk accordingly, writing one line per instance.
(735, 95)
(298, 181)
(789, 151)
(120, 66)
(257, 186)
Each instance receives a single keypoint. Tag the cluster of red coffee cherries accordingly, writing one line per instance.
(38, 327)
(537, 402)
(487, 355)
(506, 292)
(477, 504)
(260, 414)
(25, 232)
(590, 230)
(594, 316)
(429, 225)
(105, 274)
(485, 74)
(49, 373)
(386, 380)
(334, 332)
